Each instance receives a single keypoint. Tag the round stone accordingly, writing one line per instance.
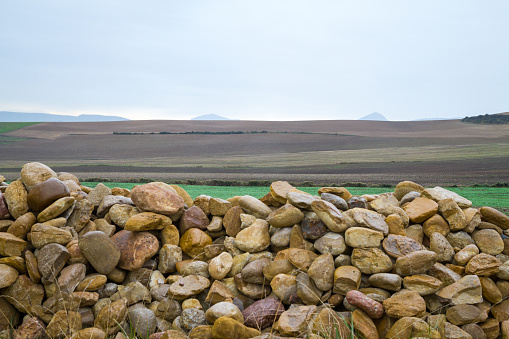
(34, 173)
(44, 194)
(194, 241)
(489, 241)
(223, 309)
(100, 250)
(135, 248)
(8, 275)
(153, 197)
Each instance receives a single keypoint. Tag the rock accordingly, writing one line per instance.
(501, 311)
(281, 237)
(100, 250)
(439, 193)
(143, 321)
(89, 333)
(191, 318)
(4, 210)
(109, 201)
(92, 282)
(332, 243)
(33, 173)
(263, 313)
(51, 259)
(454, 215)
(371, 260)
(194, 241)
(120, 213)
(63, 324)
(468, 252)
(11, 245)
(454, 332)
(111, 316)
(188, 286)
(398, 245)
(422, 284)
(223, 309)
(45, 193)
(489, 241)
(405, 303)
(337, 201)
(156, 198)
(231, 221)
(220, 266)
(254, 206)
(32, 327)
(442, 247)
(301, 200)
(219, 207)
(285, 216)
(360, 237)
(169, 256)
(483, 265)
(55, 209)
(135, 248)
(253, 291)
(147, 221)
(279, 190)
(193, 217)
(283, 285)
(41, 235)
(70, 277)
(294, 321)
(22, 226)
(358, 299)
(406, 187)
(228, 328)
(15, 197)
(463, 314)
(253, 271)
(435, 224)
(329, 324)
(321, 272)
(495, 217)
(346, 278)
(370, 219)
(417, 262)
(474, 330)
(363, 324)
(339, 191)
(490, 291)
(467, 290)
(420, 209)
(330, 215)
(307, 290)
(255, 238)
(8, 275)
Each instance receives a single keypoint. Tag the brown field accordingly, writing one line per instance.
(326, 152)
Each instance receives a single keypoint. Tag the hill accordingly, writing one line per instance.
(47, 117)
(210, 117)
(374, 117)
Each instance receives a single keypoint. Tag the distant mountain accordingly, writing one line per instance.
(47, 117)
(374, 117)
(210, 117)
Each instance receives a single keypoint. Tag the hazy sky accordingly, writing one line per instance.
(256, 60)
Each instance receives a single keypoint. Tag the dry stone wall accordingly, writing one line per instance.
(85, 262)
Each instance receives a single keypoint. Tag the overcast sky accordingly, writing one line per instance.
(255, 60)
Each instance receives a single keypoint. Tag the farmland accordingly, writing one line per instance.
(322, 152)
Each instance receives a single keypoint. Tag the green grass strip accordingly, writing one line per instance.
(12, 126)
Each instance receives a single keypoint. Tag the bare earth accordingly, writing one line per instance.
(325, 152)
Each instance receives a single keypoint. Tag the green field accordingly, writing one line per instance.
(497, 197)
(12, 126)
